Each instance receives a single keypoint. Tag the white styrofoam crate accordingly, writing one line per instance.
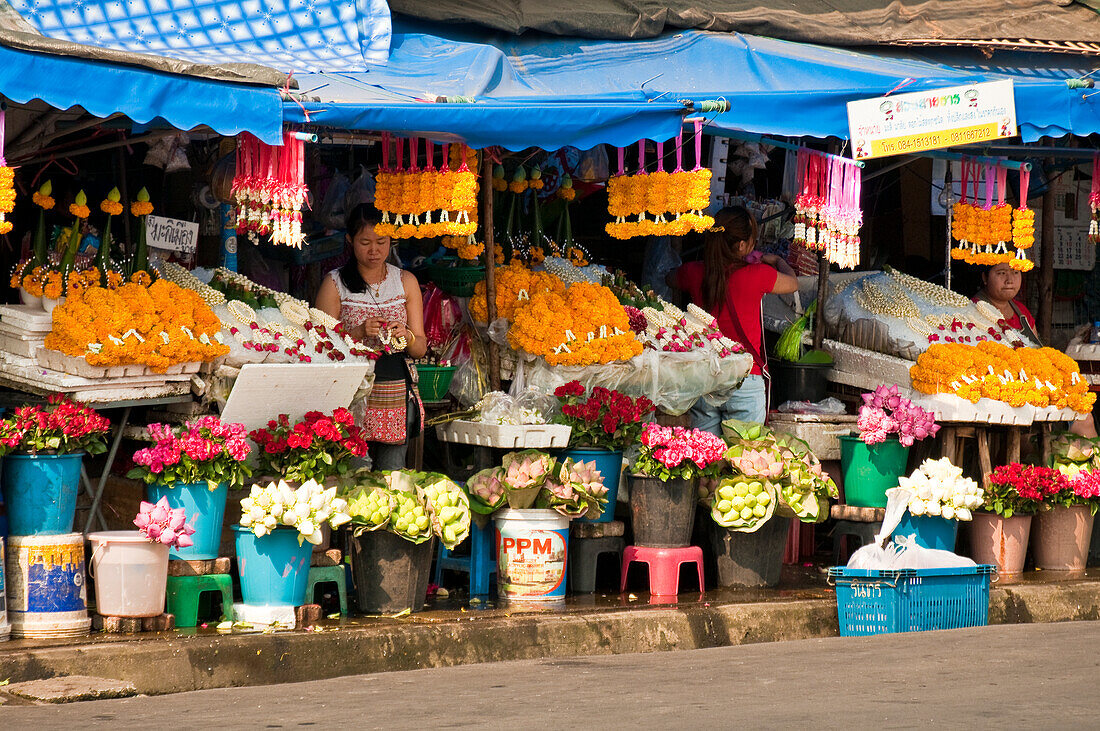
(821, 433)
(63, 363)
(1083, 351)
(866, 364)
(505, 436)
(19, 346)
(26, 317)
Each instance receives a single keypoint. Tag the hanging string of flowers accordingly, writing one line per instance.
(827, 209)
(674, 200)
(269, 189)
(427, 202)
(7, 181)
(985, 231)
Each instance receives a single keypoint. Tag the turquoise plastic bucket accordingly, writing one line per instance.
(931, 531)
(274, 569)
(40, 492)
(610, 465)
(204, 510)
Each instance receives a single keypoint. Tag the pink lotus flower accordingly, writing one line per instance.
(758, 463)
(163, 524)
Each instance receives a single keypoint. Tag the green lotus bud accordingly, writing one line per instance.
(143, 195)
(536, 173)
(520, 175)
(114, 196)
(81, 199)
(498, 171)
(566, 181)
(46, 189)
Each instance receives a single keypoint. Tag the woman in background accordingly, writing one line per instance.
(730, 283)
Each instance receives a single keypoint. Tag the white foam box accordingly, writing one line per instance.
(821, 433)
(265, 617)
(871, 368)
(55, 360)
(27, 348)
(1083, 351)
(505, 436)
(26, 317)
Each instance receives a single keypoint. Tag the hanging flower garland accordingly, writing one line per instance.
(674, 200)
(986, 231)
(269, 189)
(427, 202)
(827, 209)
(7, 182)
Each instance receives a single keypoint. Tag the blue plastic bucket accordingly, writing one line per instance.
(204, 510)
(930, 531)
(610, 465)
(40, 492)
(274, 569)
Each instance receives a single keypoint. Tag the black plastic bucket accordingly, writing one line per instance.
(750, 559)
(662, 513)
(390, 573)
(798, 381)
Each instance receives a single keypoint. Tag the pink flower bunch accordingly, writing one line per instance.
(205, 449)
(1086, 485)
(162, 524)
(675, 452)
(885, 411)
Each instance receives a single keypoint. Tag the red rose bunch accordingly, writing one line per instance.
(315, 448)
(606, 419)
(204, 449)
(62, 426)
(1016, 489)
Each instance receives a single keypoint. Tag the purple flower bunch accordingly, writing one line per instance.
(885, 411)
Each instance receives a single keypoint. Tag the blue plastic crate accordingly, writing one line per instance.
(911, 600)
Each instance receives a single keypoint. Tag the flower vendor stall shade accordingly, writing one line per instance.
(192, 466)
(42, 477)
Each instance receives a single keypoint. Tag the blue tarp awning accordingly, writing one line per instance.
(103, 89)
(549, 92)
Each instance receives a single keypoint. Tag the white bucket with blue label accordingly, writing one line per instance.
(5, 628)
(47, 591)
(532, 551)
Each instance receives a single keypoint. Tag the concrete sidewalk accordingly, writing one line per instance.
(176, 662)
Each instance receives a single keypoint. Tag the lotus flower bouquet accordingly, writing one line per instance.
(413, 505)
(486, 490)
(448, 507)
(1072, 454)
(743, 504)
(670, 453)
(574, 489)
(163, 524)
(306, 509)
(524, 474)
(885, 411)
(937, 488)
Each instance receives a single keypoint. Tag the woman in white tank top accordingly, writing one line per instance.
(369, 296)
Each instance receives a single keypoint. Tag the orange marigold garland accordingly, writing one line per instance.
(428, 202)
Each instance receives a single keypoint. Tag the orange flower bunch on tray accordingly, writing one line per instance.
(583, 326)
(1039, 377)
(985, 231)
(515, 284)
(427, 202)
(159, 326)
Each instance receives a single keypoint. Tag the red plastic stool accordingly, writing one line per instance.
(664, 566)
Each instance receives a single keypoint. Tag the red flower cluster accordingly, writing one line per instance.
(316, 447)
(62, 426)
(678, 452)
(607, 418)
(1029, 483)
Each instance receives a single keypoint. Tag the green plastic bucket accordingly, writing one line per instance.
(869, 470)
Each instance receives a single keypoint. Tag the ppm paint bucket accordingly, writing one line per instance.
(47, 593)
(5, 628)
(532, 546)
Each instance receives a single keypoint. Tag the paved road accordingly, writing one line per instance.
(1016, 676)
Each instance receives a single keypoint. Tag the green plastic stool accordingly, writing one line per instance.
(184, 591)
(328, 575)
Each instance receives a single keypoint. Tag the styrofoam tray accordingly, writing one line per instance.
(19, 346)
(1083, 351)
(875, 367)
(26, 317)
(55, 360)
(505, 436)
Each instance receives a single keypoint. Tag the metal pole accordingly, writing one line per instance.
(948, 204)
(490, 264)
(1046, 261)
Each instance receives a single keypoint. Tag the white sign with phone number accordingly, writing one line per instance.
(171, 234)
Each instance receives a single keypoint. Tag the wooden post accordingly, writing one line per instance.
(1046, 261)
(822, 293)
(490, 264)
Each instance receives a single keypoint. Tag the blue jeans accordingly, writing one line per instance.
(748, 403)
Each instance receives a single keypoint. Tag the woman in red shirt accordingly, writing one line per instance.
(1000, 285)
(730, 283)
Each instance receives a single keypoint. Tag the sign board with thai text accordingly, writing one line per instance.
(901, 124)
(171, 234)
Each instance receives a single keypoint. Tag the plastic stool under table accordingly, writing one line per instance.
(584, 554)
(664, 567)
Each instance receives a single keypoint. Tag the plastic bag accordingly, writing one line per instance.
(826, 407)
(469, 383)
(442, 317)
(360, 191)
(538, 402)
(660, 259)
(903, 553)
(332, 214)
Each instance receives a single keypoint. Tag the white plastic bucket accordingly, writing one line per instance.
(532, 548)
(5, 628)
(47, 594)
(130, 572)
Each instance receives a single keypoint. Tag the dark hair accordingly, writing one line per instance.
(360, 217)
(721, 253)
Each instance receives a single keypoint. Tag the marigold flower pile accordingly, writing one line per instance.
(515, 284)
(1017, 376)
(158, 326)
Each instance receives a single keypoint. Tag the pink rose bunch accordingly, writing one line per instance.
(162, 524)
(205, 449)
(675, 452)
(885, 411)
(1086, 485)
